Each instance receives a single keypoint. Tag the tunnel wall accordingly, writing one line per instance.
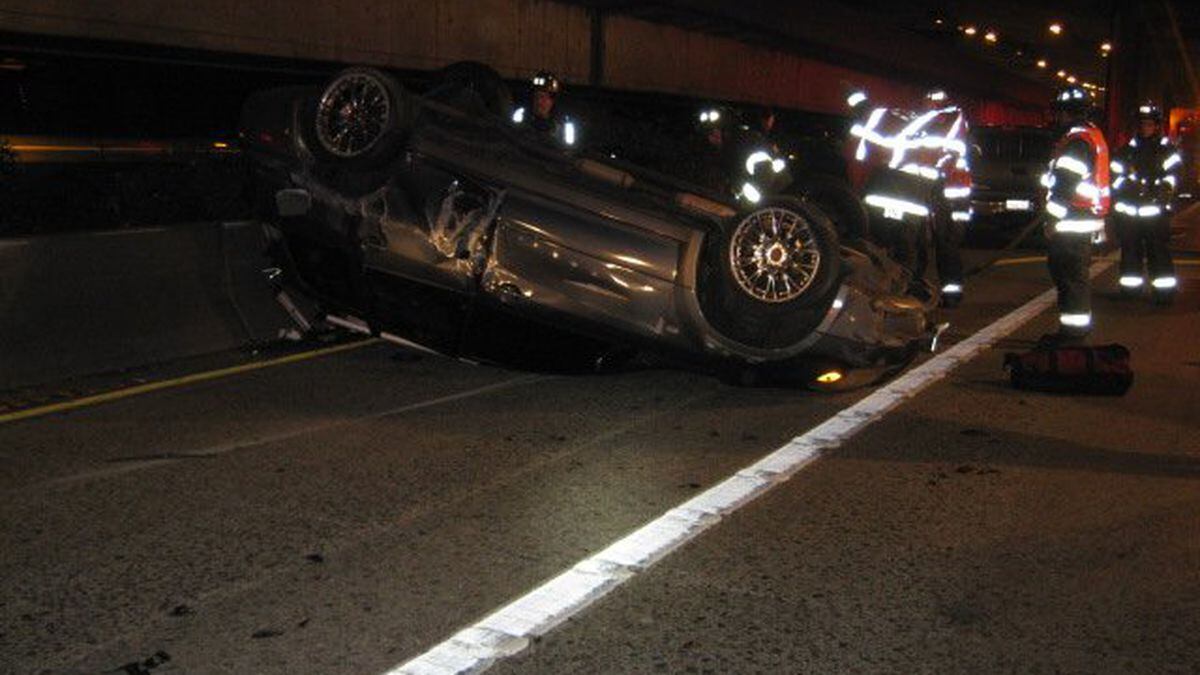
(518, 37)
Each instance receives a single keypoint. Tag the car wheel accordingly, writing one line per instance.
(481, 81)
(845, 210)
(360, 119)
(772, 274)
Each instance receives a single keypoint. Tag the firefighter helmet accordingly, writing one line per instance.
(1149, 111)
(548, 82)
(1074, 99)
(715, 117)
(936, 98)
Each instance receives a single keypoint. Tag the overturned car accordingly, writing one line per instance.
(429, 217)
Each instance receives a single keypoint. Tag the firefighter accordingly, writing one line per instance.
(916, 182)
(541, 114)
(951, 208)
(737, 160)
(895, 199)
(1146, 174)
(1077, 201)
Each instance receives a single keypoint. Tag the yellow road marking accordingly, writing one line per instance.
(136, 390)
(1021, 261)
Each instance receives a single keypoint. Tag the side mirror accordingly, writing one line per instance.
(293, 202)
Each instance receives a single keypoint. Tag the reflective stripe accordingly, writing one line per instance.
(908, 132)
(1117, 167)
(1163, 283)
(1132, 282)
(518, 116)
(1079, 226)
(569, 133)
(1149, 211)
(957, 192)
(1073, 165)
(960, 216)
(757, 157)
(866, 132)
(1048, 180)
(1164, 141)
(778, 165)
(1087, 190)
(854, 99)
(1119, 182)
(1170, 179)
(751, 193)
(902, 205)
(1172, 161)
(909, 137)
(1055, 209)
(1076, 320)
(952, 288)
(922, 171)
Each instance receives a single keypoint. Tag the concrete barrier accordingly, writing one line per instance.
(87, 303)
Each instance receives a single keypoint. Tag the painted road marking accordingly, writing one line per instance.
(1020, 261)
(155, 459)
(1185, 262)
(126, 392)
(510, 629)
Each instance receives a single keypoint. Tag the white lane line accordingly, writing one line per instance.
(151, 460)
(510, 629)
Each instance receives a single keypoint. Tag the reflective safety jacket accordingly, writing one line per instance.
(929, 147)
(1147, 175)
(1077, 182)
(745, 166)
(564, 130)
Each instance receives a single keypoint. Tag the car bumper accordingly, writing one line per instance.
(1004, 205)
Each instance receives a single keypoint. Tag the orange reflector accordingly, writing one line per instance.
(220, 145)
(829, 377)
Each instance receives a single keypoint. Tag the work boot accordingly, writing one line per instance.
(951, 300)
(1162, 299)
(1061, 338)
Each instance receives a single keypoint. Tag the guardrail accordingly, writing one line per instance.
(97, 302)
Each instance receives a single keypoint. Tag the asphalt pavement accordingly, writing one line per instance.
(347, 513)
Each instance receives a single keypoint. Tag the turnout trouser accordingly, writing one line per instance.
(1070, 256)
(908, 244)
(948, 236)
(1146, 253)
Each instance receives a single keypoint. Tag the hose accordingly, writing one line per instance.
(1013, 243)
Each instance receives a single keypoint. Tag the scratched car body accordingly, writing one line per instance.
(420, 214)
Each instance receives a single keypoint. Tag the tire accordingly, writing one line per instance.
(844, 209)
(479, 80)
(360, 119)
(742, 304)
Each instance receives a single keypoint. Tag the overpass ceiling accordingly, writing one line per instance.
(865, 33)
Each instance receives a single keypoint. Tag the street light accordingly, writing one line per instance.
(1061, 73)
(970, 30)
(1042, 63)
(1105, 48)
(1056, 28)
(991, 36)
